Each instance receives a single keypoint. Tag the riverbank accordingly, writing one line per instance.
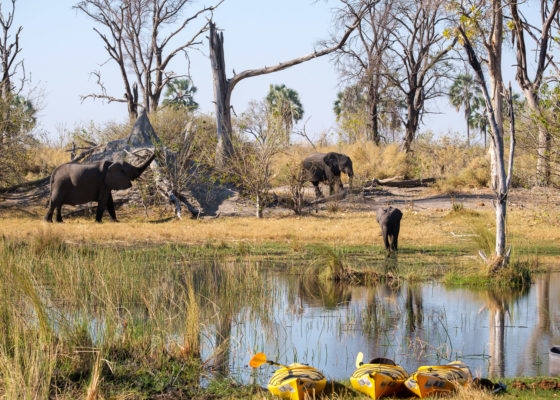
(433, 243)
(108, 319)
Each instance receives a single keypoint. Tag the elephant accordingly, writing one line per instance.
(321, 167)
(73, 183)
(389, 218)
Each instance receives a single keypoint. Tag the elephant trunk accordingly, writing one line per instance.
(137, 171)
(350, 179)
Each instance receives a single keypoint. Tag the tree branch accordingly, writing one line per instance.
(281, 66)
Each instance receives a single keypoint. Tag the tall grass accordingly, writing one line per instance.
(72, 317)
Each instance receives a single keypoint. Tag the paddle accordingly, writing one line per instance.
(260, 358)
(359, 359)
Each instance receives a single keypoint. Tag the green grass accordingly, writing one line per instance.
(54, 294)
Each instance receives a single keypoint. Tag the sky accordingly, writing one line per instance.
(61, 50)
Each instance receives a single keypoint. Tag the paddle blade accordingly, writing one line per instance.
(359, 359)
(257, 360)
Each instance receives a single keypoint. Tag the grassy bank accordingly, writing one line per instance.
(433, 243)
(107, 319)
(117, 310)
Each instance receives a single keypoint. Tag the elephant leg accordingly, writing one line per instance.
(396, 238)
(111, 208)
(318, 193)
(339, 187)
(385, 238)
(99, 213)
(59, 213)
(49, 215)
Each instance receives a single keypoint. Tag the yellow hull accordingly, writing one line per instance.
(377, 380)
(430, 380)
(297, 381)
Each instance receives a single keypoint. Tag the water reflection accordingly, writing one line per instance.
(498, 305)
(414, 309)
(542, 333)
(239, 308)
(326, 324)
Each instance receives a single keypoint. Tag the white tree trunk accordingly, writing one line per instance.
(259, 206)
(500, 181)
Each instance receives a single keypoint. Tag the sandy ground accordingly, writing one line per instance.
(34, 201)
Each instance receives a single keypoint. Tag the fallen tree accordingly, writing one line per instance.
(168, 169)
(398, 181)
(137, 147)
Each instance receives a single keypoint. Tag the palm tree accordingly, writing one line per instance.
(285, 106)
(462, 94)
(478, 118)
(180, 94)
(349, 101)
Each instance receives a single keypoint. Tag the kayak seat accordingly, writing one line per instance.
(382, 360)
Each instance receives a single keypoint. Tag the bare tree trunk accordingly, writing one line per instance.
(223, 87)
(132, 102)
(543, 143)
(501, 182)
(222, 95)
(549, 13)
(411, 125)
(467, 117)
(259, 206)
(373, 99)
(9, 51)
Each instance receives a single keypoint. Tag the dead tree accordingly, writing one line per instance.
(422, 57)
(223, 87)
(531, 88)
(501, 181)
(140, 143)
(363, 59)
(9, 51)
(139, 37)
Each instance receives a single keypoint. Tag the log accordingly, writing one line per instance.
(396, 182)
(334, 197)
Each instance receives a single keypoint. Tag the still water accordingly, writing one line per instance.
(324, 324)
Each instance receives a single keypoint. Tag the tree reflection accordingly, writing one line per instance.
(224, 294)
(325, 293)
(542, 333)
(414, 308)
(498, 303)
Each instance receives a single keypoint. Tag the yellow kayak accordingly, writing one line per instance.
(429, 380)
(381, 377)
(297, 380)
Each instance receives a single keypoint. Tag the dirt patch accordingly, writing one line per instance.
(228, 202)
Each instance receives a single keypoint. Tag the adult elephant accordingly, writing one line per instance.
(321, 167)
(73, 183)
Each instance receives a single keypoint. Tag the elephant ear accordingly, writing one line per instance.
(116, 177)
(331, 159)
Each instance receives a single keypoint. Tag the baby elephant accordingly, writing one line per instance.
(389, 218)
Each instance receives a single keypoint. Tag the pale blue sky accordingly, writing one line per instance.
(60, 50)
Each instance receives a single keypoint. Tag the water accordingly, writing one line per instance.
(302, 318)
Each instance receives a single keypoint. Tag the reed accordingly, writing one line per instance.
(76, 319)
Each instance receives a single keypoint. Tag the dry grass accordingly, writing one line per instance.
(418, 228)
(340, 228)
